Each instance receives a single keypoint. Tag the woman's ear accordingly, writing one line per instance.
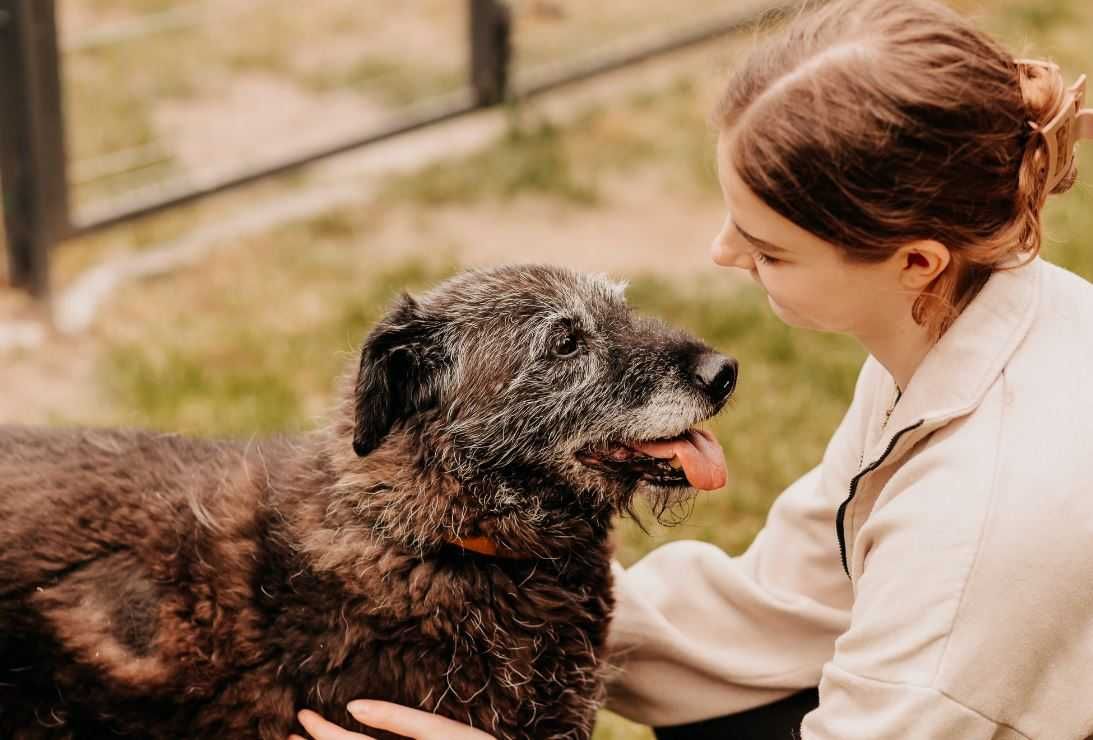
(399, 372)
(921, 262)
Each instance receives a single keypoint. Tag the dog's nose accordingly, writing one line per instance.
(717, 375)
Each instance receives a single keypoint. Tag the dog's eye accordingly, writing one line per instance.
(565, 345)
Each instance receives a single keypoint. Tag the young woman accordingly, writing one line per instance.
(884, 165)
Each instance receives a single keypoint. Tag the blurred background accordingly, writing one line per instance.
(232, 314)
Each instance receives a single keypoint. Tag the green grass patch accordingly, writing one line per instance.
(610, 726)
(526, 160)
(109, 98)
(218, 377)
(390, 81)
(1041, 17)
(110, 90)
(567, 161)
(215, 394)
(130, 7)
(1068, 222)
(678, 123)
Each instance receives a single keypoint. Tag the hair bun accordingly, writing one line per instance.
(1044, 92)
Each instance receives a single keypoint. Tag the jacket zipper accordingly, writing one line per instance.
(839, 526)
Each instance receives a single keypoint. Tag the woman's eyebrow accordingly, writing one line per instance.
(759, 242)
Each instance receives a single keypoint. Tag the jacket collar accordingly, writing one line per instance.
(956, 373)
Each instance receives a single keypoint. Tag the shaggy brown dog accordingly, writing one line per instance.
(442, 542)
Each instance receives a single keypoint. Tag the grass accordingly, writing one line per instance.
(1041, 18)
(567, 162)
(394, 83)
(217, 380)
(528, 160)
(105, 117)
(177, 389)
(130, 7)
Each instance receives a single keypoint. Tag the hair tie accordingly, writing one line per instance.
(1069, 126)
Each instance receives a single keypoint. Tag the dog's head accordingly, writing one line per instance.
(541, 380)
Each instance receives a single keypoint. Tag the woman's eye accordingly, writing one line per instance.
(565, 345)
(764, 259)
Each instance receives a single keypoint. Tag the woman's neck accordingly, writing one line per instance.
(900, 347)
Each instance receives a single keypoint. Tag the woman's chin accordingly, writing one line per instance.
(785, 314)
(791, 317)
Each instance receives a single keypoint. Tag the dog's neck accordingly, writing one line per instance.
(395, 496)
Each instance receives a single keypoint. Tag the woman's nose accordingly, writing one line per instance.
(726, 253)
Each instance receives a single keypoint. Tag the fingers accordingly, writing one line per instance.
(411, 722)
(321, 729)
(388, 716)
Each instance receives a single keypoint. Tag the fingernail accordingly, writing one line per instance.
(359, 708)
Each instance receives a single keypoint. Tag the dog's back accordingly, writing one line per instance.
(87, 521)
(54, 483)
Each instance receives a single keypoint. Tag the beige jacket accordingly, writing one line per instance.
(967, 521)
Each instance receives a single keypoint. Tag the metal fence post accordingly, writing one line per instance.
(491, 50)
(32, 156)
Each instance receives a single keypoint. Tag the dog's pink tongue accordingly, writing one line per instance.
(699, 452)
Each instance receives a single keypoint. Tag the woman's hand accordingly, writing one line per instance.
(387, 716)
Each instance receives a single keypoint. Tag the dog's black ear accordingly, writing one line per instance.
(397, 378)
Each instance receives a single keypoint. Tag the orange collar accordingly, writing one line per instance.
(486, 546)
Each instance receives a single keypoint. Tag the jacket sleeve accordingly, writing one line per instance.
(698, 633)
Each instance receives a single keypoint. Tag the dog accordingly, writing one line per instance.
(442, 541)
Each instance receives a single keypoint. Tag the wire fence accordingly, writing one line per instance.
(103, 121)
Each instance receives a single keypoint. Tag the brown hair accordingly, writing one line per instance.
(873, 123)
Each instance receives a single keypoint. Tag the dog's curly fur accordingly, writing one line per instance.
(158, 586)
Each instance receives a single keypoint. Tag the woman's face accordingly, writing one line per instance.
(808, 282)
